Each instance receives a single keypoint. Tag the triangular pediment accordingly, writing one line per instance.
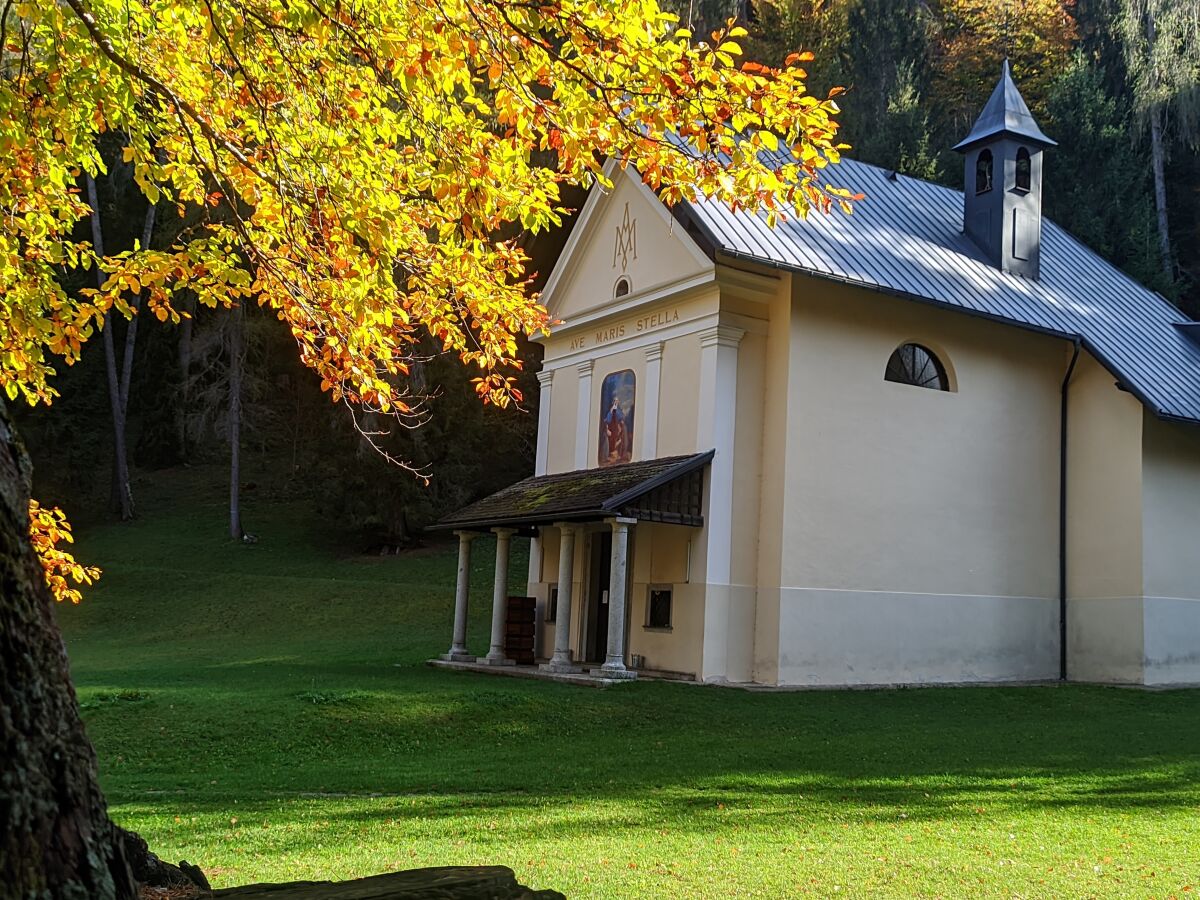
(623, 233)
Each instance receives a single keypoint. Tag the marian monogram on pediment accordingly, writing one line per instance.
(625, 245)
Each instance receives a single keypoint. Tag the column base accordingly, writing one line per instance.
(617, 672)
(490, 660)
(457, 656)
(560, 668)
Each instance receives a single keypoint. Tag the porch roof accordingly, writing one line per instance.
(670, 489)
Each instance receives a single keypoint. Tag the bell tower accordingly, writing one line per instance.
(1002, 185)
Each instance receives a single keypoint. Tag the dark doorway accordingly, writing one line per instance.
(597, 644)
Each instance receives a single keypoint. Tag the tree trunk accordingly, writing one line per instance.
(1158, 161)
(236, 356)
(185, 369)
(1160, 192)
(122, 498)
(56, 840)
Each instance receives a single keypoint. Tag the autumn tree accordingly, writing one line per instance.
(1036, 36)
(360, 170)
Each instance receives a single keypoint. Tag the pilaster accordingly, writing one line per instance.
(654, 354)
(583, 415)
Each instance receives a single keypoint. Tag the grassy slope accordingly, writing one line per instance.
(286, 728)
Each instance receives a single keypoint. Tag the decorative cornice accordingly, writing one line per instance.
(679, 290)
(747, 285)
(721, 336)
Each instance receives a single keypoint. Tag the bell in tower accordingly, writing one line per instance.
(1002, 189)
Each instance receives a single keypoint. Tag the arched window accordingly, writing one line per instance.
(916, 365)
(983, 172)
(622, 287)
(1024, 170)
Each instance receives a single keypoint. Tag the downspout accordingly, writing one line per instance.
(1062, 517)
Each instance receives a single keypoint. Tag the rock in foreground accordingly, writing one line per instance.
(439, 883)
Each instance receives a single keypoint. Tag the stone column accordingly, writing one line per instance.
(650, 400)
(496, 655)
(584, 414)
(458, 647)
(561, 661)
(614, 663)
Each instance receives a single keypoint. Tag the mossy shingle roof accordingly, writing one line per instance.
(574, 496)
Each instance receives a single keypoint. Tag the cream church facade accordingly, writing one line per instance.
(935, 441)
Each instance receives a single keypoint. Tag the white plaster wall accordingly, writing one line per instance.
(679, 396)
(777, 363)
(886, 637)
(919, 540)
(1105, 635)
(1171, 528)
(564, 402)
(661, 557)
(665, 255)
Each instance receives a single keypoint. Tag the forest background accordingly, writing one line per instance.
(1115, 82)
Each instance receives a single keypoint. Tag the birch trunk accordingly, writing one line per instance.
(131, 332)
(122, 496)
(1158, 161)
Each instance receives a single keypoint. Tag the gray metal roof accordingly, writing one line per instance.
(906, 238)
(1005, 113)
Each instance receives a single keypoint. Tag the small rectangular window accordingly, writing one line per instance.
(552, 606)
(658, 607)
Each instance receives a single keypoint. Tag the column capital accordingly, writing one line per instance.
(465, 535)
(654, 352)
(721, 336)
(504, 532)
(566, 526)
(621, 522)
(585, 368)
(545, 377)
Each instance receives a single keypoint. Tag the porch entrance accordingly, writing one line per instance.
(596, 642)
(606, 502)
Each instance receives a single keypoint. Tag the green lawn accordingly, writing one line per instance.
(265, 712)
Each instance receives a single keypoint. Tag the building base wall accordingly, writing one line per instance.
(728, 633)
(1172, 633)
(1105, 640)
(840, 637)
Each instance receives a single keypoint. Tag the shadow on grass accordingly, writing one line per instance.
(429, 743)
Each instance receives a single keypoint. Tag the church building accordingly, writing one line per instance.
(936, 441)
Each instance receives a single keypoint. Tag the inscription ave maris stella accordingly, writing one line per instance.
(649, 322)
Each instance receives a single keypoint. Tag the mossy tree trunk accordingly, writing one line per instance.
(56, 840)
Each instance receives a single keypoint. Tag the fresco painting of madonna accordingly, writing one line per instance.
(616, 418)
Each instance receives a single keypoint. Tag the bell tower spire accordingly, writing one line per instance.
(1002, 190)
